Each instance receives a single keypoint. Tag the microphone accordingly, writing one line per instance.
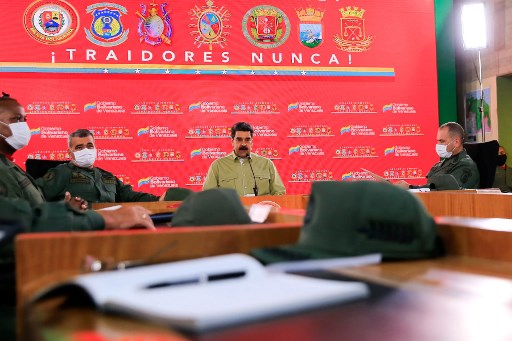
(255, 188)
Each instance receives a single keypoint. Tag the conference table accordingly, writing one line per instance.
(466, 203)
(466, 294)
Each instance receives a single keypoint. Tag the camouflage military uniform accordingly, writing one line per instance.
(461, 166)
(49, 216)
(93, 185)
(15, 183)
(502, 179)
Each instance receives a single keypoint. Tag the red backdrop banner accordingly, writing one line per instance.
(328, 87)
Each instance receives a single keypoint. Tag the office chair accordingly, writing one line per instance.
(485, 155)
(37, 168)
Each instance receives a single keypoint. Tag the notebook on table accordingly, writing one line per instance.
(207, 293)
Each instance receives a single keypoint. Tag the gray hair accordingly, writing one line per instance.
(79, 133)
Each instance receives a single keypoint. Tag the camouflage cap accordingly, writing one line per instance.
(356, 218)
(218, 206)
(177, 194)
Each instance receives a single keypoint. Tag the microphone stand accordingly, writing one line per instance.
(255, 188)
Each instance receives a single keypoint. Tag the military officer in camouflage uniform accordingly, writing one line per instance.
(22, 200)
(455, 160)
(14, 135)
(81, 178)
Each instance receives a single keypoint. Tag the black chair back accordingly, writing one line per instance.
(485, 155)
(37, 168)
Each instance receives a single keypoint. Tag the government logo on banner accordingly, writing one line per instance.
(355, 152)
(403, 173)
(255, 108)
(153, 181)
(158, 155)
(310, 131)
(50, 132)
(207, 107)
(208, 132)
(106, 28)
(357, 130)
(306, 150)
(51, 108)
(310, 27)
(410, 129)
(157, 132)
(266, 27)
(110, 155)
(104, 107)
(196, 179)
(157, 108)
(264, 131)
(353, 36)
(111, 133)
(59, 155)
(398, 108)
(356, 176)
(210, 25)
(405, 151)
(207, 153)
(354, 107)
(125, 179)
(311, 175)
(268, 152)
(50, 21)
(154, 24)
(305, 107)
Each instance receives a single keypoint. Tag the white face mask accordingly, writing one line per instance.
(85, 157)
(20, 134)
(442, 150)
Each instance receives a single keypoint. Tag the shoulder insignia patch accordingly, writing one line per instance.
(49, 176)
(466, 174)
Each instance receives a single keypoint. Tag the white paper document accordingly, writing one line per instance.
(211, 292)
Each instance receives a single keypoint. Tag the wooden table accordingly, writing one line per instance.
(466, 295)
(298, 201)
(443, 203)
(46, 258)
(467, 204)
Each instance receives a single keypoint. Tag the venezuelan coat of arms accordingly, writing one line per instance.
(154, 24)
(210, 25)
(353, 36)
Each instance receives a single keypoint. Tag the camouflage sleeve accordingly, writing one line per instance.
(49, 217)
(52, 185)
(125, 193)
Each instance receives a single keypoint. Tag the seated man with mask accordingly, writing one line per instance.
(81, 178)
(22, 200)
(14, 135)
(455, 160)
(502, 178)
